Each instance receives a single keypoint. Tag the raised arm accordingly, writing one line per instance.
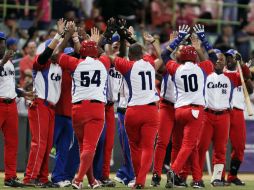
(182, 32)
(70, 29)
(46, 54)
(156, 45)
(200, 31)
(196, 43)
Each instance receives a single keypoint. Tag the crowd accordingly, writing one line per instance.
(72, 76)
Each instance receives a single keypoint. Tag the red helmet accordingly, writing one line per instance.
(187, 53)
(88, 48)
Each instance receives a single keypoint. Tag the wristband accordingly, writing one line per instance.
(57, 37)
(75, 39)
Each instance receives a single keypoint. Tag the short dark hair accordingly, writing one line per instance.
(135, 51)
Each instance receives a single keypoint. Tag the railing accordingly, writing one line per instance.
(220, 5)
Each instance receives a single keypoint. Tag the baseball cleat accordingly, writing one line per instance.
(236, 181)
(108, 183)
(217, 183)
(77, 185)
(155, 180)
(197, 184)
(13, 182)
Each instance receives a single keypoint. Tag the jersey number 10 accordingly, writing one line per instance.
(190, 82)
(143, 78)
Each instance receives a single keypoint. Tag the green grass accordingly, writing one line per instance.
(248, 178)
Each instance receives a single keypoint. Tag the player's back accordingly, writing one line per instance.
(89, 81)
(141, 83)
(189, 81)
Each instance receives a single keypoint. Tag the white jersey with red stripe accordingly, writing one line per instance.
(140, 78)
(113, 84)
(89, 77)
(218, 91)
(189, 79)
(7, 81)
(47, 82)
(168, 88)
(238, 96)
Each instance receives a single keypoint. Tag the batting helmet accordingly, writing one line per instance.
(187, 53)
(88, 48)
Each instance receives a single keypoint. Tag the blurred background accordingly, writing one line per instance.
(28, 23)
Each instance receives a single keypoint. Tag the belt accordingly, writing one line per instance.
(7, 100)
(152, 104)
(217, 112)
(109, 103)
(237, 108)
(167, 102)
(91, 101)
(195, 105)
(121, 110)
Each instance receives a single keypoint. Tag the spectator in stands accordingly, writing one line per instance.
(12, 44)
(160, 12)
(26, 62)
(225, 41)
(183, 17)
(242, 41)
(43, 16)
(9, 25)
(230, 12)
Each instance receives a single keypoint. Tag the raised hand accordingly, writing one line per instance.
(148, 37)
(132, 32)
(60, 26)
(71, 27)
(196, 43)
(111, 29)
(173, 36)
(95, 34)
(183, 31)
(200, 31)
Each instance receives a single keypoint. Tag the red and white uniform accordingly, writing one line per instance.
(88, 97)
(189, 81)
(218, 95)
(47, 80)
(167, 118)
(141, 119)
(237, 130)
(9, 119)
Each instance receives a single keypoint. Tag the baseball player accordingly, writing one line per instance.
(65, 141)
(47, 79)
(103, 154)
(9, 114)
(166, 117)
(89, 76)
(125, 173)
(141, 118)
(237, 130)
(189, 80)
(218, 93)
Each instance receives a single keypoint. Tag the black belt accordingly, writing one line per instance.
(237, 108)
(195, 105)
(7, 101)
(152, 104)
(91, 101)
(217, 112)
(121, 110)
(167, 102)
